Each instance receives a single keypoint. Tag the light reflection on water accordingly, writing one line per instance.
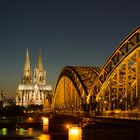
(30, 131)
(37, 131)
(3, 131)
(44, 137)
(36, 134)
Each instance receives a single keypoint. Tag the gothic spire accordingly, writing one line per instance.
(27, 73)
(40, 63)
(27, 62)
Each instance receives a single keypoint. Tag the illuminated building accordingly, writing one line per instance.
(33, 89)
(2, 99)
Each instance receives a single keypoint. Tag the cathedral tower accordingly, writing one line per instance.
(40, 63)
(27, 73)
(33, 92)
(39, 72)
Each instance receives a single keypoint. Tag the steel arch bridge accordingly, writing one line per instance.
(114, 86)
(72, 87)
(119, 79)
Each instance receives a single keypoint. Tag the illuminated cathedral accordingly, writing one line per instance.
(33, 88)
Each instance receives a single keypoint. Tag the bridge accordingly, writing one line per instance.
(111, 89)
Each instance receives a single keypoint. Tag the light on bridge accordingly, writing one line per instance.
(68, 126)
(105, 102)
(45, 121)
(45, 124)
(30, 120)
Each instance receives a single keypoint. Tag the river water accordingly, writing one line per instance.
(67, 131)
(21, 133)
(30, 133)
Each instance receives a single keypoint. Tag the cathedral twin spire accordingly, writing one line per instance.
(27, 62)
(40, 63)
(39, 72)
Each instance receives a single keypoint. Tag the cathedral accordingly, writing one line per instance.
(33, 88)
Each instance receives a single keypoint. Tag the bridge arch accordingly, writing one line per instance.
(73, 86)
(119, 78)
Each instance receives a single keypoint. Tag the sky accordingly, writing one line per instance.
(68, 32)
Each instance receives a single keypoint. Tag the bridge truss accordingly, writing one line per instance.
(115, 86)
(120, 76)
(72, 88)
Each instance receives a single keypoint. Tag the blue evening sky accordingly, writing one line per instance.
(69, 32)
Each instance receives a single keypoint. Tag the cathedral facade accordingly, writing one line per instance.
(33, 88)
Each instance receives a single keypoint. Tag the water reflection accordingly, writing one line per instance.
(45, 128)
(45, 124)
(35, 131)
(30, 131)
(4, 131)
(44, 137)
(75, 133)
(20, 131)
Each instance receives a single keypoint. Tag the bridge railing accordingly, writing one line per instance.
(73, 113)
(130, 115)
(117, 114)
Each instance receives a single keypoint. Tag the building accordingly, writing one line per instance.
(2, 99)
(33, 88)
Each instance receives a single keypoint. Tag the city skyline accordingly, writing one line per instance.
(76, 33)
